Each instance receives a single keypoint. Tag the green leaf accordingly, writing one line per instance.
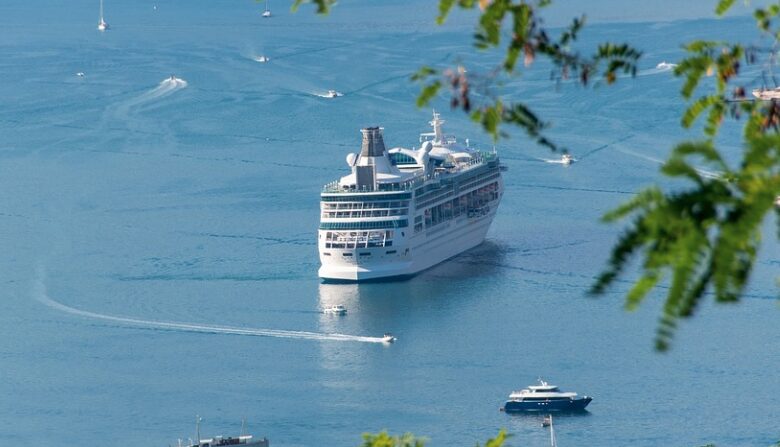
(428, 92)
(723, 6)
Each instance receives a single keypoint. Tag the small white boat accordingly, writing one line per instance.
(267, 12)
(102, 24)
(262, 59)
(338, 309)
(388, 338)
(567, 159)
(665, 65)
(332, 94)
(80, 74)
(766, 94)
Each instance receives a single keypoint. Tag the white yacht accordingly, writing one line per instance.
(401, 211)
(337, 309)
(766, 94)
(102, 24)
(388, 338)
(267, 12)
(262, 59)
(665, 65)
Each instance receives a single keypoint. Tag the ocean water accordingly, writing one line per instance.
(158, 257)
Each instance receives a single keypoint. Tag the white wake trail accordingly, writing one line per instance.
(163, 89)
(40, 295)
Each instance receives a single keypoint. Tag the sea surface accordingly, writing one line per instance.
(158, 256)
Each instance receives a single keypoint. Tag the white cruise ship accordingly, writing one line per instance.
(401, 211)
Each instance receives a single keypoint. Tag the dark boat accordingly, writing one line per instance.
(545, 397)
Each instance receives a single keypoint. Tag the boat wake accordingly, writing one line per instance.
(702, 172)
(42, 296)
(165, 88)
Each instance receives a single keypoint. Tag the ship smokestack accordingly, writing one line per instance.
(373, 144)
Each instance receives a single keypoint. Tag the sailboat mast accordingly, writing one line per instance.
(101, 10)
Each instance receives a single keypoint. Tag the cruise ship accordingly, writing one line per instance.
(401, 211)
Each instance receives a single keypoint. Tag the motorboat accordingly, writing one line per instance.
(766, 94)
(388, 338)
(173, 78)
(262, 59)
(80, 74)
(545, 397)
(337, 309)
(332, 94)
(567, 159)
(267, 12)
(241, 440)
(665, 65)
(102, 24)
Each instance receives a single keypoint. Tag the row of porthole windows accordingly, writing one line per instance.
(347, 255)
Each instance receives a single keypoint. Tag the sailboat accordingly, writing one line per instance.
(267, 12)
(102, 25)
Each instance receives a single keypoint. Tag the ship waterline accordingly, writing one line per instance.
(402, 211)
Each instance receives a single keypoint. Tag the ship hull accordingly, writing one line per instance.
(425, 250)
(547, 406)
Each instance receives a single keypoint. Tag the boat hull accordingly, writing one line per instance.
(513, 406)
(424, 252)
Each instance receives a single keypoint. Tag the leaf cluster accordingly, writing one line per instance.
(527, 37)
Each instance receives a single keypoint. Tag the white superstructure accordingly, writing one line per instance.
(401, 211)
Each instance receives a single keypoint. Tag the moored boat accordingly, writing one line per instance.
(545, 397)
(337, 309)
(241, 440)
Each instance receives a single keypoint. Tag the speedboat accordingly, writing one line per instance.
(262, 59)
(388, 338)
(102, 25)
(665, 65)
(80, 74)
(332, 94)
(766, 94)
(545, 397)
(567, 159)
(338, 309)
(173, 78)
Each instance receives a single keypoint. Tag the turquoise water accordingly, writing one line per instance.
(127, 202)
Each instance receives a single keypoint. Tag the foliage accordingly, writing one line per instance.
(704, 238)
(383, 439)
(529, 39)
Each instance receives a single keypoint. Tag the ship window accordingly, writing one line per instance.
(402, 159)
(346, 254)
(390, 252)
(326, 254)
(365, 254)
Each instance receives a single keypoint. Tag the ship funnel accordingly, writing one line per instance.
(373, 144)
